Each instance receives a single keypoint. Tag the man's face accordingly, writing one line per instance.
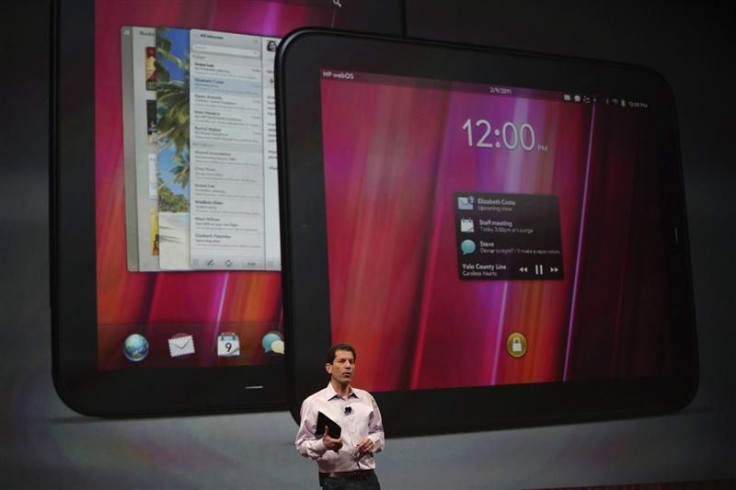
(341, 369)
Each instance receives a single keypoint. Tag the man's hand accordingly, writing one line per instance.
(365, 446)
(330, 442)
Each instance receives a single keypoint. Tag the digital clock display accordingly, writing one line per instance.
(483, 134)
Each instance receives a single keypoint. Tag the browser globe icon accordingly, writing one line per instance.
(135, 347)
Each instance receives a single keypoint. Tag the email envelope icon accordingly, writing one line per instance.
(181, 344)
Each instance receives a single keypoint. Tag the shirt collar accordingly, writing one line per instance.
(331, 393)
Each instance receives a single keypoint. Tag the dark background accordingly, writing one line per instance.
(44, 444)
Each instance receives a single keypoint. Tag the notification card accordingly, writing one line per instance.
(508, 236)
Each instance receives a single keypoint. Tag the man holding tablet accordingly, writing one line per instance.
(344, 452)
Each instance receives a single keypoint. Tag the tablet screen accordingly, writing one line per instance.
(187, 228)
(485, 235)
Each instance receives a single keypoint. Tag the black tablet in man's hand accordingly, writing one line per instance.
(166, 257)
(500, 234)
(324, 421)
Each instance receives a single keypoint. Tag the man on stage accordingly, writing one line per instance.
(345, 462)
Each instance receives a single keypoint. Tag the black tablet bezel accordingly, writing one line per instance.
(304, 248)
(81, 385)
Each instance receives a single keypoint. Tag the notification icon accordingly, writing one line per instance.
(467, 247)
(467, 225)
(465, 203)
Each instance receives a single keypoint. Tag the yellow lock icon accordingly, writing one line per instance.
(516, 345)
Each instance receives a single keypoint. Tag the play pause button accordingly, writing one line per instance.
(540, 271)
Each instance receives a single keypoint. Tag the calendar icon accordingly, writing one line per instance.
(228, 345)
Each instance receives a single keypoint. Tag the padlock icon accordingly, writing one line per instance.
(516, 345)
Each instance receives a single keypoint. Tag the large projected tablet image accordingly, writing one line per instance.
(502, 228)
(167, 287)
